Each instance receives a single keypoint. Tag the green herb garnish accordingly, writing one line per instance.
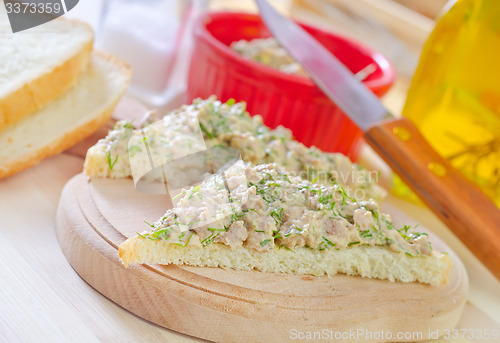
(134, 149)
(209, 240)
(214, 229)
(128, 125)
(236, 216)
(365, 234)
(265, 242)
(277, 216)
(277, 235)
(148, 236)
(108, 158)
(178, 195)
(209, 134)
(155, 235)
(195, 191)
(184, 245)
(344, 196)
(328, 242)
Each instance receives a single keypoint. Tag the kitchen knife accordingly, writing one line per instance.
(469, 214)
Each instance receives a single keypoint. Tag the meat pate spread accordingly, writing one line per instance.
(264, 207)
(229, 125)
(267, 51)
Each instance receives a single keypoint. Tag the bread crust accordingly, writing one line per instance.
(60, 144)
(68, 138)
(34, 95)
(367, 261)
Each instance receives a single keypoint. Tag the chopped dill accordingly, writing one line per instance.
(265, 242)
(277, 216)
(184, 245)
(328, 242)
(209, 240)
(207, 133)
(128, 125)
(214, 229)
(109, 160)
(230, 101)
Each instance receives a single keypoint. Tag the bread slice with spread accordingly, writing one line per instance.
(282, 208)
(269, 220)
(225, 125)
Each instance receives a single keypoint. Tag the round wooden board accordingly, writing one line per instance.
(94, 217)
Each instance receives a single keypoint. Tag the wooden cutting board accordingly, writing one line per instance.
(94, 217)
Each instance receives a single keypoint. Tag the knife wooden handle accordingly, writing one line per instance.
(469, 214)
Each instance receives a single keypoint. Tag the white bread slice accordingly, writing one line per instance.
(40, 64)
(362, 260)
(70, 118)
(270, 220)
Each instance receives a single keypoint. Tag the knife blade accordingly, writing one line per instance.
(467, 212)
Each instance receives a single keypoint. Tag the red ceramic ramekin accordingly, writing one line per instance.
(289, 100)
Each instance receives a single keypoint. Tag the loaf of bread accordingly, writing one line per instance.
(39, 65)
(69, 118)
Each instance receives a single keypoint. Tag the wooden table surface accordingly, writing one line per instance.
(42, 299)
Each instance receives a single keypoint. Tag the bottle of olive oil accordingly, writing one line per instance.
(454, 97)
